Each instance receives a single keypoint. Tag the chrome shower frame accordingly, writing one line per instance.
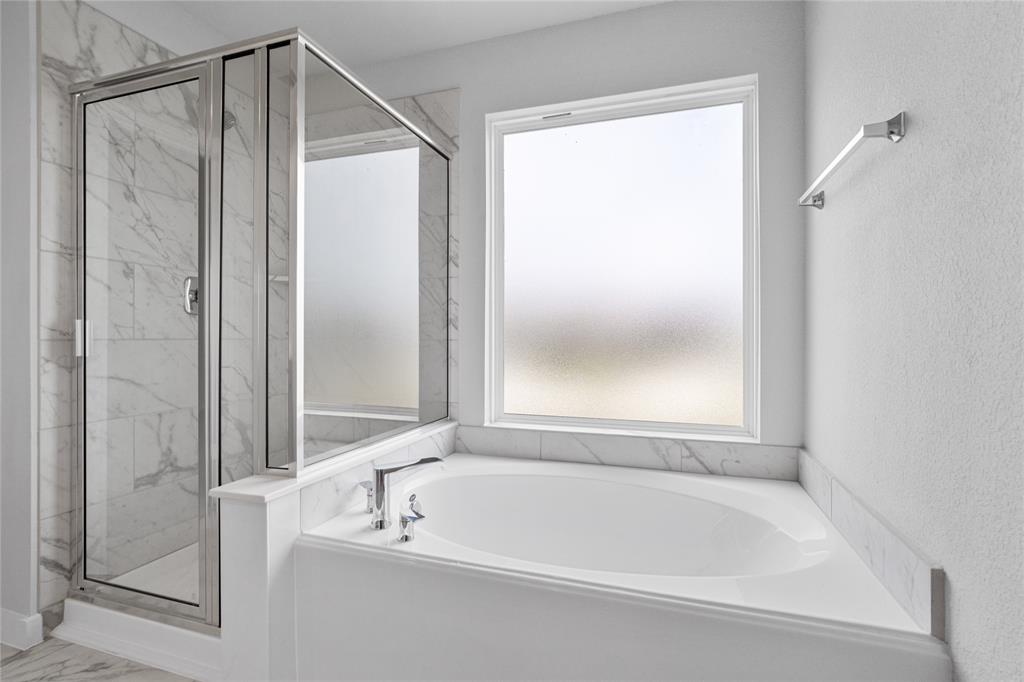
(208, 69)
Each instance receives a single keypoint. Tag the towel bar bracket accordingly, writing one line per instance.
(894, 128)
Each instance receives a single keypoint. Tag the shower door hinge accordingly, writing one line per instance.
(83, 338)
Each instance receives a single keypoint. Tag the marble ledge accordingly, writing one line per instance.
(668, 454)
(914, 580)
(265, 488)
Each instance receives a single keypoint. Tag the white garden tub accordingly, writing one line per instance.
(539, 570)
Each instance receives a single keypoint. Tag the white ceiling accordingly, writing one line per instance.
(354, 31)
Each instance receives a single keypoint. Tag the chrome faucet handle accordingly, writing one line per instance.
(368, 487)
(408, 518)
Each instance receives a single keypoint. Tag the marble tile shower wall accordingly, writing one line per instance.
(238, 300)
(437, 115)
(277, 281)
(325, 432)
(79, 43)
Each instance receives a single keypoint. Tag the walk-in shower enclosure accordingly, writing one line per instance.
(262, 253)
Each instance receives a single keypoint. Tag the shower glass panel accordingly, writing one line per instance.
(375, 270)
(142, 331)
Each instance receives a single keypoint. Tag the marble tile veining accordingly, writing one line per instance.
(645, 453)
(128, 378)
(56, 360)
(56, 227)
(909, 576)
(476, 440)
(128, 225)
(816, 481)
(166, 447)
(743, 459)
(55, 471)
(54, 558)
(328, 498)
(159, 313)
(56, 295)
(110, 458)
(56, 659)
(915, 581)
(110, 298)
(697, 457)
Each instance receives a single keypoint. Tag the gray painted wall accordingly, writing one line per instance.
(650, 47)
(915, 321)
(18, 287)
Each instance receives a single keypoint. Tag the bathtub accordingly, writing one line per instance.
(543, 570)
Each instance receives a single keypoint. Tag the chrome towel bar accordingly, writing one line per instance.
(894, 129)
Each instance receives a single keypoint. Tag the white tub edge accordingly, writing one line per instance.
(918, 643)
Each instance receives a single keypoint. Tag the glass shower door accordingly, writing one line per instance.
(141, 337)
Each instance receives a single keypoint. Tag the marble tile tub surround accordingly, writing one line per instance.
(329, 497)
(688, 456)
(914, 580)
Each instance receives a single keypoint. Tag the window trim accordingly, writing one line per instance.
(736, 90)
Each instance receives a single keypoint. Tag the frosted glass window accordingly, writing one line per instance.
(623, 269)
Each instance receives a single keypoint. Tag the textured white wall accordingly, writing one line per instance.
(651, 47)
(914, 294)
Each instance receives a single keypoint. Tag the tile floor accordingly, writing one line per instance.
(175, 575)
(56, 659)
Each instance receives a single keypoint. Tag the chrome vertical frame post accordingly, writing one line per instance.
(211, 176)
(78, 496)
(259, 260)
(296, 250)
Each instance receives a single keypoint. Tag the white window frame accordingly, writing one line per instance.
(737, 90)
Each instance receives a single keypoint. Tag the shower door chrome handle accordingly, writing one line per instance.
(191, 303)
(83, 338)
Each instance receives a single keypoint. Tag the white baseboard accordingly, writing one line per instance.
(20, 631)
(184, 652)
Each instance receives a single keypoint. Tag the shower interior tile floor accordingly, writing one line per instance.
(175, 575)
(56, 659)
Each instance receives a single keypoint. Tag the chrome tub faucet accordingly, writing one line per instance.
(377, 492)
